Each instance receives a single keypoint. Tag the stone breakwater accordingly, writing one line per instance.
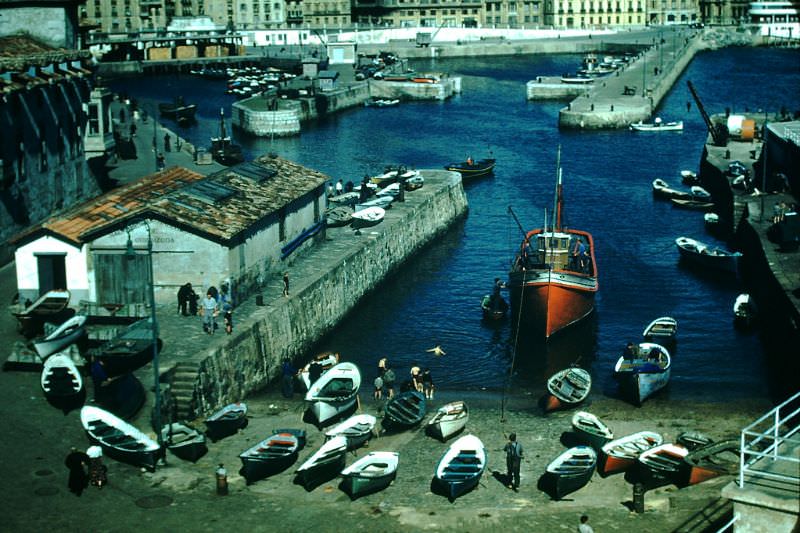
(326, 283)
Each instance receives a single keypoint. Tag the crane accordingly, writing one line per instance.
(719, 132)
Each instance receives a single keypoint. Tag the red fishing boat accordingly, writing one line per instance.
(553, 279)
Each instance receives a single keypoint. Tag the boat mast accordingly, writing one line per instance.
(557, 202)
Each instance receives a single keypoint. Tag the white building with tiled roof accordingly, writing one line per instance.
(236, 226)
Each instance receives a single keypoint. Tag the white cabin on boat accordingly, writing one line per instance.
(236, 227)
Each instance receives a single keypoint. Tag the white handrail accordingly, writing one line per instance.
(729, 523)
(776, 439)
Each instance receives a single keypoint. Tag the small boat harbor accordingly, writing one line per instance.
(417, 461)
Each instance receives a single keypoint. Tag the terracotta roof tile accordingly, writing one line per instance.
(230, 202)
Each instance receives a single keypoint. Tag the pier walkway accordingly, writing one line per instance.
(634, 92)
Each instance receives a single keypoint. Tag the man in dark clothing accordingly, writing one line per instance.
(77, 462)
(287, 379)
(183, 298)
(513, 451)
(314, 371)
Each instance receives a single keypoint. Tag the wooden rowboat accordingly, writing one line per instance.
(270, 456)
(334, 392)
(570, 471)
(324, 464)
(567, 388)
(184, 441)
(67, 333)
(372, 473)
(621, 454)
(49, 307)
(448, 420)
(226, 421)
(405, 410)
(357, 430)
(62, 382)
(644, 372)
(591, 429)
(662, 330)
(661, 465)
(461, 467)
(119, 439)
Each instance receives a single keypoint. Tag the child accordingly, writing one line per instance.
(378, 394)
(227, 317)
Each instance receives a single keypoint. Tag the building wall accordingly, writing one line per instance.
(41, 147)
(53, 25)
(28, 274)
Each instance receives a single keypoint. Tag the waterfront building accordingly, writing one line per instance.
(236, 226)
(590, 13)
(776, 19)
(723, 11)
(43, 165)
(672, 12)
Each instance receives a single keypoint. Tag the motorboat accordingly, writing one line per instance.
(553, 279)
(473, 169)
(656, 125)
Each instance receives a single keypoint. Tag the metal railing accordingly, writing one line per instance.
(771, 437)
(729, 523)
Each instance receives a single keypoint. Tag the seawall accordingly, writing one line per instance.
(328, 281)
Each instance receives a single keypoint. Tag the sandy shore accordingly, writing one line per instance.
(181, 495)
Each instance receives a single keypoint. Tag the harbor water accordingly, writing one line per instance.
(434, 299)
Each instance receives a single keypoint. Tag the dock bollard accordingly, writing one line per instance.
(222, 480)
(638, 497)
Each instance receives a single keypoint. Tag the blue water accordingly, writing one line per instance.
(434, 299)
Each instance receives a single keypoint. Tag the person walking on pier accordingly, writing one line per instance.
(209, 313)
(286, 284)
(339, 188)
(167, 147)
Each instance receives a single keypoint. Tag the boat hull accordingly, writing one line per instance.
(321, 472)
(255, 468)
(548, 303)
(560, 485)
(356, 485)
(405, 411)
(637, 386)
(325, 412)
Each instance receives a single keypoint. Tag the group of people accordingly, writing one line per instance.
(420, 380)
(85, 468)
(215, 301)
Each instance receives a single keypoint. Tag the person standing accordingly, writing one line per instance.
(339, 188)
(330, 190)
(209, 313)
(513, 451)
(378, 392)
(97, 470)
(77, 462)
(227, 317)
(167, 147)
(427, 384)
(287, 379)
(286, 284)
(584, 526)
(388, 381)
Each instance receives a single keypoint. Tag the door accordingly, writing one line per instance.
(121, 278)
(52, 272)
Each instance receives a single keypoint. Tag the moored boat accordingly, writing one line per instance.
(367, 217)
(744, 311)
(570, 471)
(567, 388)
(179, 110)
(325, 463)
(67, 333)
(656, 125)
(357, 430)
(553, 280)
(223, 151)
(700, 194)
(473, 169)
(338, 216)
(270, 456)
(689, 177)
(591, 429)
(662, 189)
(448, 420)
(621, 454)
(662, 330)
(119, 439)
(690, 203)
(184, 441)
(461, 467)
(405, 410)
(393, 174)
(334, 392)
(226, 421)
(642, 370)
(493, 307)
(707, 256)
(381, 102)
(372, 473)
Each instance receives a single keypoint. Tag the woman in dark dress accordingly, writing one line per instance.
(77, 461)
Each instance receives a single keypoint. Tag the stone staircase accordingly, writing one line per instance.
(182, 387)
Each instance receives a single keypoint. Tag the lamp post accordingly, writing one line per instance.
(130, 252)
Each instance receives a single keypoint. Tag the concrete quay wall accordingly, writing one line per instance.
(442, 90)
(334, 280)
